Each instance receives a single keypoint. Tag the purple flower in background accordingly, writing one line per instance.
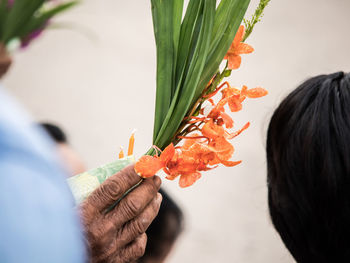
(25, 41)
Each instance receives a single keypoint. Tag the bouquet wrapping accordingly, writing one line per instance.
(82, 185)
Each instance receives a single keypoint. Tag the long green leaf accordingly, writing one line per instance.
(3, 15)
(164, 27)
(177, 18)
(222, 17)
(178, 8)
(187, 37)
(21, 12)
(192, 78)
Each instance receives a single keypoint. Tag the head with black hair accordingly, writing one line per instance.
(163, 232)
(55, 132)
(71, 159)
(308, 162)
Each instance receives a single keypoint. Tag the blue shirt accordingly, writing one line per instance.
(38, 222)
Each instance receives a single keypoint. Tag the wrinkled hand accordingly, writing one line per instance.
(119, 236)
(5, 60)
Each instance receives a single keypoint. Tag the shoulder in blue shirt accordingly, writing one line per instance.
(38, 222)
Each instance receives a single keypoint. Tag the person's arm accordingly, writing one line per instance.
(119, 236)
(115, 237)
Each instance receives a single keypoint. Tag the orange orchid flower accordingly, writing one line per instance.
(235, 97)
(236, 49)
(219, 145)
(219, 112)
(192, 158)
(212, 131)
(147, 166)
(253, 93)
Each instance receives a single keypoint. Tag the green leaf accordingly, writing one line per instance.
(227, 73)
(41, 19)
(3, 14)
(178, 8)
(21, 12)
(221, 18)
(166, 27)
(187, 37)
(195, 68)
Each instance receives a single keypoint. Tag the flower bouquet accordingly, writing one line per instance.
(192, 129)
(23, 20)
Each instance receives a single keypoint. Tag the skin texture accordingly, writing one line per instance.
(119, 236)
(5, 61)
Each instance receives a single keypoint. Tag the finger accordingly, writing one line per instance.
(140, 224)
(113, 188)
(135, 202)
(133, 251)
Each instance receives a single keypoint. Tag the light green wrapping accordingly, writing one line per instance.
(82, 185)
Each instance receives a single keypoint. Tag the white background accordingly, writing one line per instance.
(97, 80)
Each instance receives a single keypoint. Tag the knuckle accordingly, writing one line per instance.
(129, 175)
(111, 187)
(138, 227)
(108, 227)
(132, 207)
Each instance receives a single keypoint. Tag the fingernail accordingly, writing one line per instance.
(159, 198)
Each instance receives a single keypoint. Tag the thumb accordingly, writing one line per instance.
(113, 189)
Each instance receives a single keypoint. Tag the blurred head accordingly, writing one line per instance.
(308, 158)
(71, 158)
(163, 231)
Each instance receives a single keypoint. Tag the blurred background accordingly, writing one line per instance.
(96, 79)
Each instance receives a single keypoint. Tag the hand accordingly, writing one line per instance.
(119, 236)
(5, 60)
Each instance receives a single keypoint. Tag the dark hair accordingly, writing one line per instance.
(55, 132)
(308, 163)
(163, 231)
